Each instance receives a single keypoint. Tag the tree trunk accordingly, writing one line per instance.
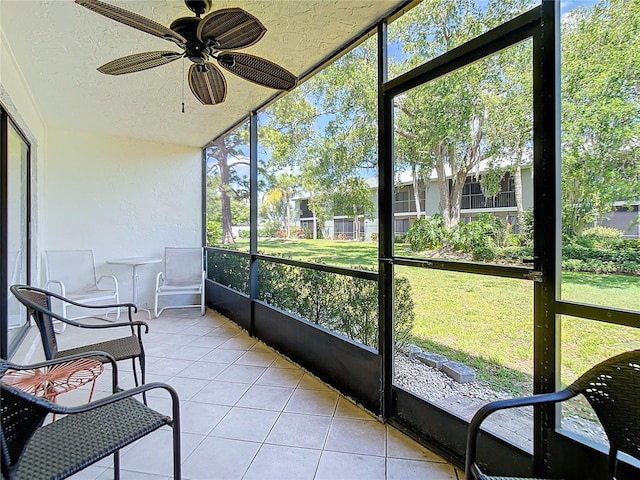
(315, 226)
(225, 176)
(443, 184)
(356, 224)
(287, 216)
(416, 191)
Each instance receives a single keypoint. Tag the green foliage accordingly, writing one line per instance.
(343, 304)
(601, 111)
(244, 234)
(399, 238)
(426, 233)
(269, 229)
(525, 224)
(214, 232)
(580, 258)
(229, 270)
(600, 237)
(484, 232)
(514, 254)
(486, 253)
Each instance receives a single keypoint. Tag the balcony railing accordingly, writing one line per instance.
(478, 200)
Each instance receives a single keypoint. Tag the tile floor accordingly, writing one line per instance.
(247, 413)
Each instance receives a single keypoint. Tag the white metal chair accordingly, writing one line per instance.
(73, 272)
(183, 275)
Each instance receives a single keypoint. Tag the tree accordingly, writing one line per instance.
(277, 200)
(447, 124)
(600, 111)
(353, 198)
(224, 159)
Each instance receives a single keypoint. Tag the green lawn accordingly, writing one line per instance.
(487, 322)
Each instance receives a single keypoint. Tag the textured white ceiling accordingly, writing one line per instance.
(59, 45)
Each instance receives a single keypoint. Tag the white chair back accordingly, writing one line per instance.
(182, 266)
(75, 268)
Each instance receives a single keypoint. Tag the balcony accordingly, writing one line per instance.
(248, 412)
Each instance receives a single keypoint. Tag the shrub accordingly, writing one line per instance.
(214, 232)
(374, 237)
(426, 233)
(485, 253)
(479, 233)
(229, 270)
(343, 304)
(269, 229)
(525, 227)
(600, 237)
(244, 233)
(515, 254)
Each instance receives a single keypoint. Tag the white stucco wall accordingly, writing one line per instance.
(121, 197)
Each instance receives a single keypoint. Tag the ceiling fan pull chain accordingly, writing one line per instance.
(183, 74)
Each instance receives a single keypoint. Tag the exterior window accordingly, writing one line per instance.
(402, 225)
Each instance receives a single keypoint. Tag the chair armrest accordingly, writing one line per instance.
(58, 361)
(60, 284)
(131, 323)
(159, 279)
(112, 278)
(61, 409)
(489, 408)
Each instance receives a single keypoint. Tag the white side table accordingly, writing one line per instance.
(135, 262)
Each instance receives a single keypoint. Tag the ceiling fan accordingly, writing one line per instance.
(216, 36)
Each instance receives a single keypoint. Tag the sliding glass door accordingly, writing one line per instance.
(15, 225)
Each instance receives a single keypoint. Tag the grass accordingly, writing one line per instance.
(487, 322)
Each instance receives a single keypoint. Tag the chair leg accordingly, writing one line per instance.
(177, 456)
(143, 367)
(116, 465)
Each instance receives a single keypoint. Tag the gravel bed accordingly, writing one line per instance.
(433, 385)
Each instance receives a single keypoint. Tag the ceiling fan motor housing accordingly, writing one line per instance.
(198, 7)
(195, 50)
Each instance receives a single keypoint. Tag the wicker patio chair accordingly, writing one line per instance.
(612, 388)
(86, 434)
(38, 303)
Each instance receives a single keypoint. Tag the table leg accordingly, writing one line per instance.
(135, 291)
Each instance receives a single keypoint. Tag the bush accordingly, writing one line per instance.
(343, 304)
(515, 254)
(269, 230)
(577, 257)
(600, 237)
(426, 233)
(244, 233)
(400, 238)
(214, 232)
(485, 253)
(525, 227)
(374, 237)
(229, 270)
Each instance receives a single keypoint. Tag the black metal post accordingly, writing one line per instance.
(253, 215)
(547, 228)
(385, 226)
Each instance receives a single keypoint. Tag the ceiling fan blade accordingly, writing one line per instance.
(208, 86)
(138, 62)
(230, 28)
(257, 70)
(133, 20)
